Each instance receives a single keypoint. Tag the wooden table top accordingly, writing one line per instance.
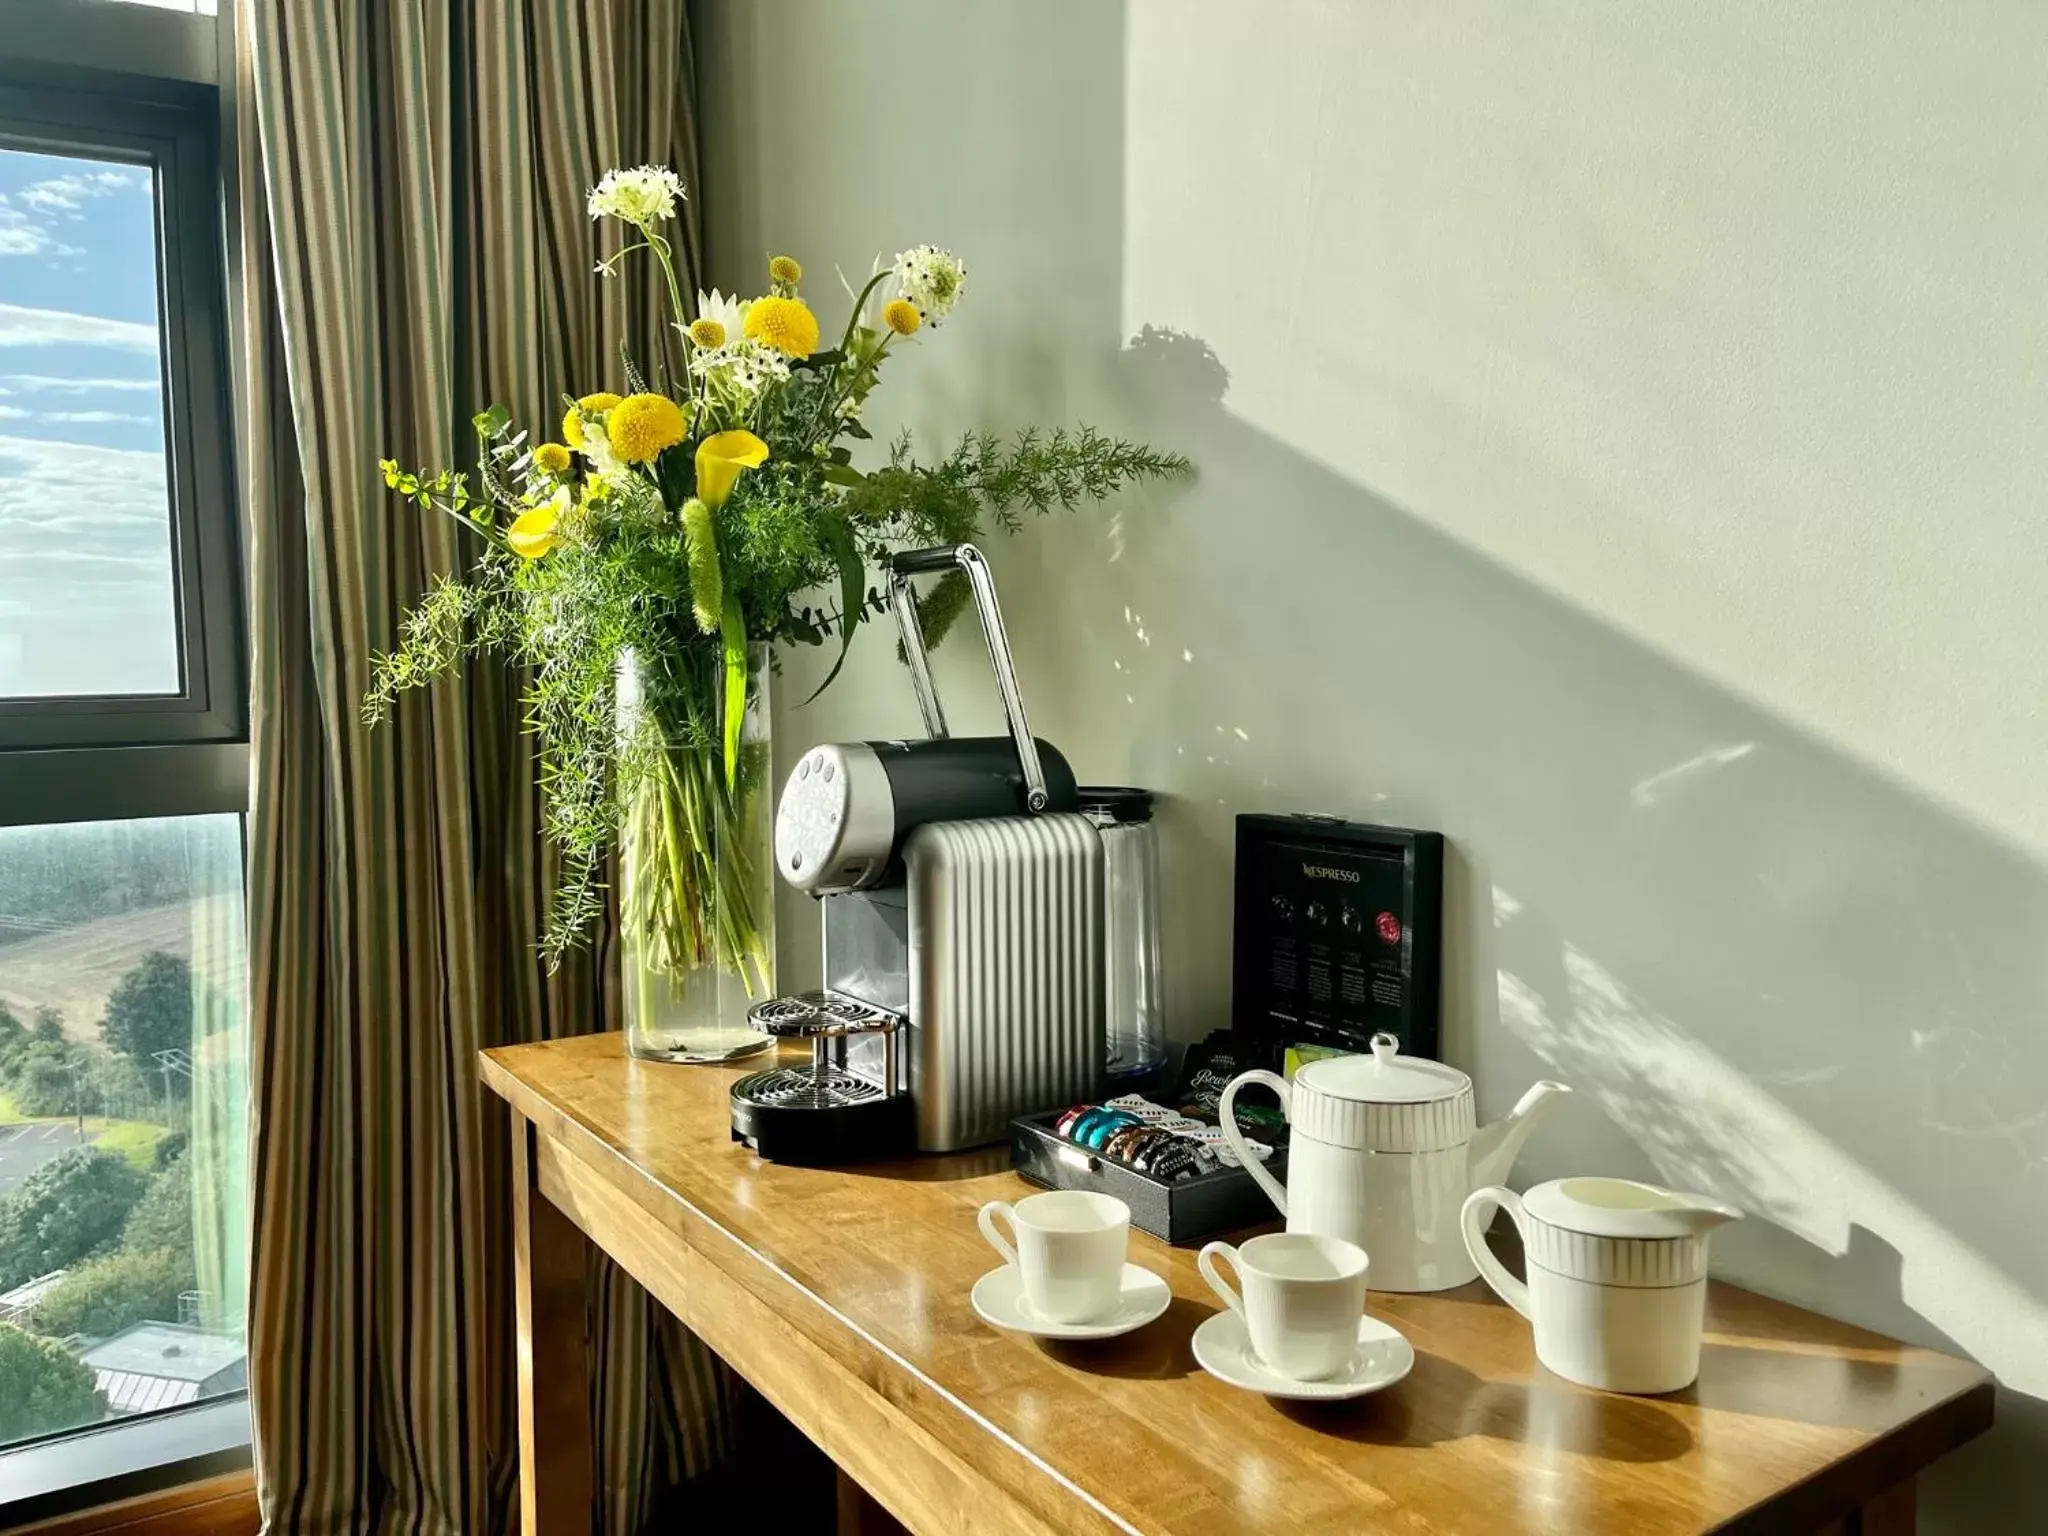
(1795, 1419)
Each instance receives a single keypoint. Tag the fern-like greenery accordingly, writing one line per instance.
(592, 557)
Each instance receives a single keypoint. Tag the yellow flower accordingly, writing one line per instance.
(720, 458)
(640, 426)
(551, 458)
(787, 325)
(902, 317)
(785, 270)
(572, 423)
(532, 534)
(707, 334)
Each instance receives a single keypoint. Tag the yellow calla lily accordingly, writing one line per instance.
(532, 533)
(720, 458)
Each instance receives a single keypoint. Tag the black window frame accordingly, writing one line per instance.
(110, 80)
(163, 748)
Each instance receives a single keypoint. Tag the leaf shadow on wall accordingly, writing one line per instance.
(1771, 972)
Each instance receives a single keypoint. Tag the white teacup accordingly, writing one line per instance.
(1069, 1248)
(1303, 1297)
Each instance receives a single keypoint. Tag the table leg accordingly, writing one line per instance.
(1891, 1513)
(556, 1457)
(860, 1515)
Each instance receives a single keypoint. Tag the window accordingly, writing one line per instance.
(123, 756)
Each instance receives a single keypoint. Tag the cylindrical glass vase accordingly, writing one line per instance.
(696, 856)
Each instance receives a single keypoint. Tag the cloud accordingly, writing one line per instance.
(67, 194)
(21, 236)
(92, 511)
(93, 416)
(42, 383)
(21, 326)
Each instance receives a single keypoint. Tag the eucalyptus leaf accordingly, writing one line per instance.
(853, 574)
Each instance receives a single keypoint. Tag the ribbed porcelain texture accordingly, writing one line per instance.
(1647, 1263)
(1431, 1126)
(1006, 973)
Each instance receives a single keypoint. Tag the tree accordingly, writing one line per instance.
(150, 1011)
(65, 1211)
(13, 1037)
(42, 1389)
(49, 1025)
(163, 1217)
(52, 1080)
(103, 1296)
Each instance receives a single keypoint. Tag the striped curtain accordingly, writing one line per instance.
(415, 246)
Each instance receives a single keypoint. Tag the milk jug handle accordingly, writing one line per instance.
(1474, 1218)
(1226, 1121)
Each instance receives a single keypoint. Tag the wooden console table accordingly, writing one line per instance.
(841, 1295)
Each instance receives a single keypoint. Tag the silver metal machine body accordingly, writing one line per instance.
(994, 945)
(983, 932)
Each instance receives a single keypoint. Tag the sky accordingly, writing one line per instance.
(86, 596)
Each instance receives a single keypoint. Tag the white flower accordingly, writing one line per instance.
(638, 197)
(741, 369)
(931, 279)
(730, 313)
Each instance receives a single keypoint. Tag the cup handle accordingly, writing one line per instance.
(1206, 1262)
(1473, 1218)
(1226, 1122)
(987, 1221)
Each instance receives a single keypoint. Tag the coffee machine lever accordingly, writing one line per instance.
(963, 920)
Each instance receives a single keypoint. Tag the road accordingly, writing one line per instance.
(25, 1148)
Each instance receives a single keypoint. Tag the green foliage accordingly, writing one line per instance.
(637, 566)
(13, 1038)
(162, 1218)
(103, 1296)
(170, 1147)
(53, 1079)
(43, 1389)
(150, 1010)
(67, 1210)
(49, 1026)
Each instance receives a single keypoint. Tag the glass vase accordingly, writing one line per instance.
(696, 861)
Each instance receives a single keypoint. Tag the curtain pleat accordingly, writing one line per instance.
(415, 247)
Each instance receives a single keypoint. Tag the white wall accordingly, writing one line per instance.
(1621, 444)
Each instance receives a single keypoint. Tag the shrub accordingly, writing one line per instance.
(103, 1296)
(42, 1389)
(163, 1217)
(45, 1082)
(170, 1149)
(67, 1209)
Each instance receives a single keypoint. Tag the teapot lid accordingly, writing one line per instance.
(1384, 1102)
(1384, 1077)
(1601, 1207)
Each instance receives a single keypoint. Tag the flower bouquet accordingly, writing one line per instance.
(644, 564)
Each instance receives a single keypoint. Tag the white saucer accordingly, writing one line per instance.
(1224, 1350)
(999, 1299)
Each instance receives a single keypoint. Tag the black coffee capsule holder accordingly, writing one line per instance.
(1190, 1210)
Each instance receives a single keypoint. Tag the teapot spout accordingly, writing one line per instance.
(1496, 1146)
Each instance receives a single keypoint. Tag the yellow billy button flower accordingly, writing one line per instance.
(640, 426)
(902, 317)
(787, 325)
(532, 533)
(572, 423)
(785, 270)
(707, 335)
(551, 458)
(720, 458)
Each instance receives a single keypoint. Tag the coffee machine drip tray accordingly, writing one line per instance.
(826, 1110)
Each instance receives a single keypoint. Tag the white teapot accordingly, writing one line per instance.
(1383, 1153)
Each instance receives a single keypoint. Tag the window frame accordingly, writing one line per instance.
(171, 127)
(125, 79)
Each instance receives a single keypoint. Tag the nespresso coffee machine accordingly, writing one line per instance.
(963, 917)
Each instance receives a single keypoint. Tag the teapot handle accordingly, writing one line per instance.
(1473, 1218)
(1226, 1121)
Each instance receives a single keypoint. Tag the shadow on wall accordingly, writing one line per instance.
(1788, 981)
(1771, 972)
